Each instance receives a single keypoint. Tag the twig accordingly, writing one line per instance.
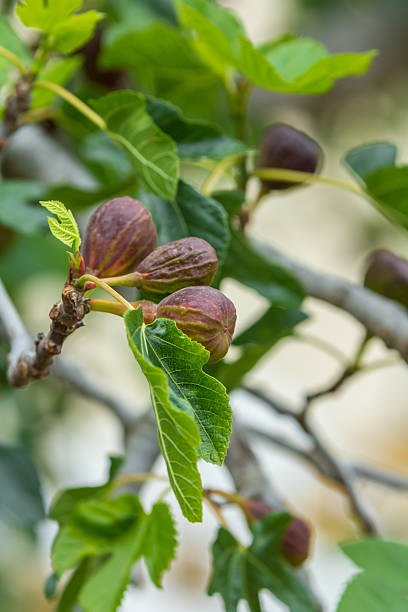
(381, 317)
(321, 457)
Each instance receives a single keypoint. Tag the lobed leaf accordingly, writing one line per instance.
(160, 542)
(178, 433)
(241, 573)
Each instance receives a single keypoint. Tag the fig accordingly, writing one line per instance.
(387, 275)
(205, 315)
(119, 235)
(295, 542)
(172, 266)
(283, 146)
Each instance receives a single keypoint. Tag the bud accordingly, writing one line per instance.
(285, 147)
(172, 266)
(387, 275)
(120, 234)
(295, 542)
(205, 315)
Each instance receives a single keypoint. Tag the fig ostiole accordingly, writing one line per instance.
(172, 266)
(119, 235)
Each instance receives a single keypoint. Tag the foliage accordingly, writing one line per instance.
(186, 68)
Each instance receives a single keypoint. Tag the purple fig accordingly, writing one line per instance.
(120, 234)
(295, 542)
(205, 315)
(387, 275)
(283, 146)
(172, 266)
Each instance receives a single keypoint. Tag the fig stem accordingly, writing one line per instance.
(125, 479)
(218, 172)
(11, 57)
(126, 280)
(74, 101)
(107, 306)
(295, 176)
(100, 283)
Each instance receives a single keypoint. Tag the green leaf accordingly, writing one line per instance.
(251, 268)
(75, 31)
(57, 71)
(10, 40)
(45, 15)
(153, 153)
(294, 65)
(160, 542)
(16, 211)
(69, 596)
(67, 500)
(65, 229)
(191, 214)
(241, 573)
(368, 158)
(256, 341)
(178, 434)
(231, 200)
(215, 32)
(195, 140)
(21, 502)
(382, 585)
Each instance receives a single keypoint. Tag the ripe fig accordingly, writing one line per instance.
(387, 275)
(172, 266)
(205, 315)
(120, 234)
(283, 146)
(295, 542)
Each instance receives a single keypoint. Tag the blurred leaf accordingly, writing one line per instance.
(57, 71)
(153, 153)
(251, 268)
(21, 502)
(69, 596)
(231, 200)
(241, 573)
(10, 40)
(83, 198)
(46, 15)
(215, 32)
(15, 209)
(195, 140)
(65, 501)
(75, 31)
(109, 164)
(295, 65)
(160, 542)
(368, 158)
(382, 585)
(191, 214)
(178, 433)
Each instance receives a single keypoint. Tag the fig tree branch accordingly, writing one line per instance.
(381, 317)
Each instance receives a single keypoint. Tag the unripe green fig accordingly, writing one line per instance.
(283, 146)
(120, 234)
(295, 542)
(205, 315)
(387, 275)
(172, 266)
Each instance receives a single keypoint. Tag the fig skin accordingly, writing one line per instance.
(283, 146)
(205, 315)
(295, 542)
(120, 234)
(172, 266)
(387, 275)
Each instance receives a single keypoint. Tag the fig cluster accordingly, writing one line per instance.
(120, 247)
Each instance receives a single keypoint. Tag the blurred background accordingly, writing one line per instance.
(70, 438)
